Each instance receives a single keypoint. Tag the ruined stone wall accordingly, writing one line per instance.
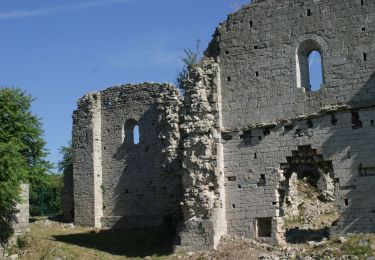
(251, 196)
(134, 184)
(257, 49)
(21, 218)
(203, 179)
(269, 112)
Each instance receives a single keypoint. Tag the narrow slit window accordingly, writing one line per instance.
(315, 70)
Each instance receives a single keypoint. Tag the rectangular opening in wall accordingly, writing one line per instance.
(362, 2)
(251, 24)
(372, 123)
(308, 12)
(333, 120)
(356, 122)
(346, 202)
(264, 227)
(364, 56)
(262, 181)
(231, 178)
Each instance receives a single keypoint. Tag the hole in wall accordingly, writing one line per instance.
(362, 2)
(264, 227)
(239, 186)
(255, 156)
(288, 128)
(251, 24)
(346, 201)
(256, 74)
(309, 123)
(364, 55)
(234, 206)
(231, 178)
(262, 181)
(226, 52)
(229, 79)
(356, 122)
(307, 196)
(372, 123)
(333, 120)
(363, 29)
(308, 12)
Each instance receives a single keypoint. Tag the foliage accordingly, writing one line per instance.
(191, 58)
(13, 169)
(46, 199)
(22, 152)
(67, 157)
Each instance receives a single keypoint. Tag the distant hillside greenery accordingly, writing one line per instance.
(22, 153)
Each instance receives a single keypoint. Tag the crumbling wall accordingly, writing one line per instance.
(21, 218)
(203, 177)
(136, 183)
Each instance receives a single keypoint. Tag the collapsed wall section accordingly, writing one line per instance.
(203, 177)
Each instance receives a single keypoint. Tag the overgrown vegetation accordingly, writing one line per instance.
(22, 153)
(190, 59)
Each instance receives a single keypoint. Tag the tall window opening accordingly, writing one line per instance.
(315, 70)
(136, 134)
(131, 132)
(309, 58)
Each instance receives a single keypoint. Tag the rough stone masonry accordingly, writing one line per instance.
(238, 153)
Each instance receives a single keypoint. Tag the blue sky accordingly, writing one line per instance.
(58, 50)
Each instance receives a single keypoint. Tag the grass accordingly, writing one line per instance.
(54, 241)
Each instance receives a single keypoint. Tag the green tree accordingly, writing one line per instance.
(66, 152)
(22, 152)
(191, 58)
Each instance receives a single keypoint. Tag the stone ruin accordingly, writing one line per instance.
(250, 145)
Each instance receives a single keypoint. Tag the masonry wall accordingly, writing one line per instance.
(265, 149)
(119, 182)
(141, 182)
(257, 52)
(22, 214)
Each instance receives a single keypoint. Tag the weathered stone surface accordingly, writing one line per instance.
(248, 121)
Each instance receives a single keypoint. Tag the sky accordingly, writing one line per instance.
(58, 50)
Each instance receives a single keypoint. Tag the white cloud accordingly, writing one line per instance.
(58, 9)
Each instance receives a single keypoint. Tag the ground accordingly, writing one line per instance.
(57, 241)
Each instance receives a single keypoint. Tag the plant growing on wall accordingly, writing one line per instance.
(22, 152)
(190, 59)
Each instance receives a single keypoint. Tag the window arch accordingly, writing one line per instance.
(309, 61)
(131, 132)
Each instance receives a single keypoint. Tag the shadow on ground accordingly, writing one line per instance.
(130, 243)
(300, 236)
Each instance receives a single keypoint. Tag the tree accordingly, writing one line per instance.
(22, 152)
(191, 58)
(67, 157)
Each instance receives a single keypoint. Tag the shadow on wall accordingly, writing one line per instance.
(357, 192)
(149, 189)
(156, 241)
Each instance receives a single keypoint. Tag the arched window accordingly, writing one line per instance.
(131, 132)
(309, 60)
